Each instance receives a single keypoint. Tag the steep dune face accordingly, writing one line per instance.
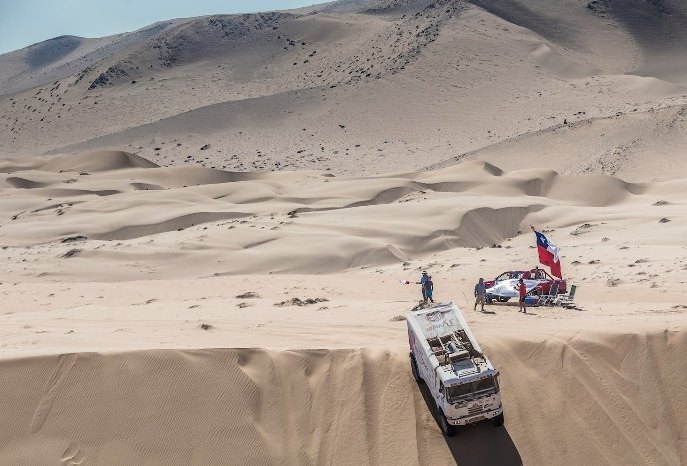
(569, 399)
(622, 396)
(253, 406)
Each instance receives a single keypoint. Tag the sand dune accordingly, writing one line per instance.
(100, 161)
(254, 406)
(257, 221)
(126, 292)
(207, 228)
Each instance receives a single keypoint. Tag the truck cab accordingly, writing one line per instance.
(445, 355)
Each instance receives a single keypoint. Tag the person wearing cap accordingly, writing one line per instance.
(423, 281)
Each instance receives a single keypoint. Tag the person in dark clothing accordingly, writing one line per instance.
(423, 280)
(480, 294)
(429, 290)
(522, 292)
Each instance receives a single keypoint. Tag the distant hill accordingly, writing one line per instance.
(63, 56)
(366, 86)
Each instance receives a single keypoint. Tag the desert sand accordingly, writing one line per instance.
(206, 225)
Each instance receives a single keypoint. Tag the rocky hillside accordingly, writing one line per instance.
(363, 86)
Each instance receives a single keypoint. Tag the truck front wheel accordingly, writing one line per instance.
(414, 370)
(448, 429)
(498, 420)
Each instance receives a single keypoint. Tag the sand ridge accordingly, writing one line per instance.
(256, 222)
(347, 406)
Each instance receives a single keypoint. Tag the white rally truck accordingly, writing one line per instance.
(445, 355)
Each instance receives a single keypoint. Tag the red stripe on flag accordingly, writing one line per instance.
(547, 258)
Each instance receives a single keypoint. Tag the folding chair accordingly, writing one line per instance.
(566, 300)
(548, 299)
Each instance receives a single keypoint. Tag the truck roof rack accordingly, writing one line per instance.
(453, 347)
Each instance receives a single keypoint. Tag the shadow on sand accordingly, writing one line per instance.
(478, 444)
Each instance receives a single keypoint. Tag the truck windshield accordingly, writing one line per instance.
(468, 390)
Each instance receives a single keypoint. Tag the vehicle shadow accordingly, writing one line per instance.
(478, 444)
(544, 307)
(530, 308)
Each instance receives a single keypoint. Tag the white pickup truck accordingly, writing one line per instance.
(445, 355)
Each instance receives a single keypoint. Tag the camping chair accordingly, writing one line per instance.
(566, 300)
(548, 299)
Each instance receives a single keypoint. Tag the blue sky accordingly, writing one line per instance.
(25, 22)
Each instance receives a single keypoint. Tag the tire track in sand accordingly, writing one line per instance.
(65, 362)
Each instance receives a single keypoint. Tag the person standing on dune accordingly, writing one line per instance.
(429, 289)
(423, 280)
(480, 294)
(522, 292)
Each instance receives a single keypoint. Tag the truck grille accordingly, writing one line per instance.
(475, 409)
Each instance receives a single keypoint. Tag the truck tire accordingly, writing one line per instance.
(414, 370)
(446, 428)
(498, 420)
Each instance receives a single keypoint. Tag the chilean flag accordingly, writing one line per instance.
(549, 253)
